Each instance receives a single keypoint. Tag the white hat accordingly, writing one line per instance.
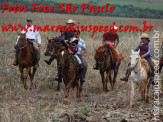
(115, 27)
(70, 21)
(144, 35)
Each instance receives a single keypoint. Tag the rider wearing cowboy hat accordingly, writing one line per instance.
(145, 48)
(66, 36)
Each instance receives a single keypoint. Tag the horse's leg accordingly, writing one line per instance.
(32, 77)
(59, 78)
(26, 75)
(68, 86)
(77, 91)
(147, 97)
(22, 77)
(114, 79)
(132, 94)
(80, 87)
(102, 76)
(142, 90)
(106, 80)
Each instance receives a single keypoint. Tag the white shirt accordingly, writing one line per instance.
(81, 45)
(32, 35)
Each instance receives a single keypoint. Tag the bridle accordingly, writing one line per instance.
(133, 68)
(24, 45)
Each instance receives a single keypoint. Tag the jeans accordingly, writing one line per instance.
(151, 65)
(118, 54)
(84, 70)
(31, 41)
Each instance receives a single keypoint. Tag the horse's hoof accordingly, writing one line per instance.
(57, 89)
(106, 90)
(130, 106)
(66, 101)
(79, 100)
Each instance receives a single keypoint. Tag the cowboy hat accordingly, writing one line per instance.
(144, 35)
(70, 21)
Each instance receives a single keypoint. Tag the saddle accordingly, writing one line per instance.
(146, 66)
(76, 62)
(33, 51)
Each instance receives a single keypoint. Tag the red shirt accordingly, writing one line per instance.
(73, 48)
(110, 37)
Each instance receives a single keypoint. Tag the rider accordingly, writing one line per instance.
(145, 48)
(67, 35)
(31, 36)
(81, 50)
(110, 37)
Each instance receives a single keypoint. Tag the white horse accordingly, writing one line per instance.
(139, 76)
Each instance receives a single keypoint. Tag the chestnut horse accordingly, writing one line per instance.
(26, 60)
(70, 73)
(104, 58)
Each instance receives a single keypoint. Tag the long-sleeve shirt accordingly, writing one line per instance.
(147, 53)
(30, 34)
(81, 45)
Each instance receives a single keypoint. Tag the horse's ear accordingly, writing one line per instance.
(19, 33)
(96, 50)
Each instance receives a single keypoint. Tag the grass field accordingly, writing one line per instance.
(45, 104)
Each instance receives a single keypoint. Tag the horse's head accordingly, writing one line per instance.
(53, 46)
(134, 58)
(49, 47)
(101, 54)
(21, 40)
(63, 56)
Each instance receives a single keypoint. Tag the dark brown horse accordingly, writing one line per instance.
(105, 66)
(52, 48)
(70, 73)
(26, 60)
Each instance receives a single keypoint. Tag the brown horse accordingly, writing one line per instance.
(26, 59)
(104, 58)
(70, 73)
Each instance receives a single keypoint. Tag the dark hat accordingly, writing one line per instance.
(29, 20)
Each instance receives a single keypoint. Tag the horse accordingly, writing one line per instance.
(141, 76)
(105, 60)
(70, 73)
(26, 60)
(53, 46)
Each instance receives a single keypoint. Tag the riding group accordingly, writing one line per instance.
(68, 49)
